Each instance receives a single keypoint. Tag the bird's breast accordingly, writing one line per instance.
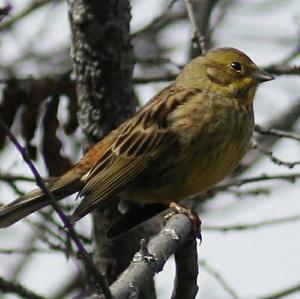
(213, 142)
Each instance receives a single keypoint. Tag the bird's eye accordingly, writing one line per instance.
(236, 66)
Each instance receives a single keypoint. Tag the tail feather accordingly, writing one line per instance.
(35, 200)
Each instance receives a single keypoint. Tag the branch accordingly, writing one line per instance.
(284, 122)
(198, 39)
(240, 182)
(4, 11)
(74, 283)
(283, 69)
(25, 251)
(278, 133)
(32, 6)
(151, 259)
(248, 226)
(89, 265)
(12, 178)
(152, 78)
(274, 159)
(283, 293)
(161, 21)
(16, 288)
(103, 63)
(199, 12)
(264, 177)
(186, 261)
(219, 278)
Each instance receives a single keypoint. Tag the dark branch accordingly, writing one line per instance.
(248, 226)
(18, 289)
(32, 6)
(283, 69)
(284, 122)
(186, 261)
(276, 132)
(199, 12)
(167, 17)
(90, 267)
(283, 293)
(4, 11)
(219, 278)
(274, 159)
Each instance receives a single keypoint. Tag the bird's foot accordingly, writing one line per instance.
(194, 218)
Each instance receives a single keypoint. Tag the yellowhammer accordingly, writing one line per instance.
(182, 142)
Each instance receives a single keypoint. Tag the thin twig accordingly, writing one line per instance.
(283, 69)
(26, 251)
(285, 121)
(274, 159)
(198, 39)
(200, 198)
(283, 293)
(32, 6)
(264, 177)
(18, 289)
(151, 79)
(4, 11)
(278, 133)
(219, 278)
(251, 192)
(161, 21)
(248, 226)
(95, 275)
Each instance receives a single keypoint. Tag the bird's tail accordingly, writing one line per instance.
(35, 200)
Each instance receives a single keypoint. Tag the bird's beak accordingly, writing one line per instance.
(262, 76)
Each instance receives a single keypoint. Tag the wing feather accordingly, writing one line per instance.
(138, 142)
(106, 184)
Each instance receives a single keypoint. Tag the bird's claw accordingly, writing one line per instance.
(194, 218)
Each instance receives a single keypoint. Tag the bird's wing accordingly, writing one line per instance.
(138, 142)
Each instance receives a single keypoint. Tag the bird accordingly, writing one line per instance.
(184, 141)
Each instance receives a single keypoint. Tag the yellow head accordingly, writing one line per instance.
(225, 71)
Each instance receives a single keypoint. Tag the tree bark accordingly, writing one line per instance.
(103, 63)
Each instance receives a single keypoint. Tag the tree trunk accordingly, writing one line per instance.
(103, 63)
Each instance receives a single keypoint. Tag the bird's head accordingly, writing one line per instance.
(225, 71)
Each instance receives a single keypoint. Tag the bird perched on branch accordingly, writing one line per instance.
(185, 140)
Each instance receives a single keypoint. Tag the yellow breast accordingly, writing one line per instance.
(222, 138)
(205, 172)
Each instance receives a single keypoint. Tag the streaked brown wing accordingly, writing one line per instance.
(140, 141)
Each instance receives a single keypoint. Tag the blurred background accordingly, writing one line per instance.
(251, 245)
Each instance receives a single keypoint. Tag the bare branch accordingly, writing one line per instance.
(18, 289)
(89, 265)
(283, 69)
(161, 21)
(158, 78)
(240, 182)
(276, 132)
(151, 259)
(283, 293)
(198, 39)
(292, 177)
(274, 159)
(6, 177)
(186, 261)
(219, 278)
(285, 121)
(32, 6)
(199, 12)
(248, 226)
(26, 251)
(4, 11)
